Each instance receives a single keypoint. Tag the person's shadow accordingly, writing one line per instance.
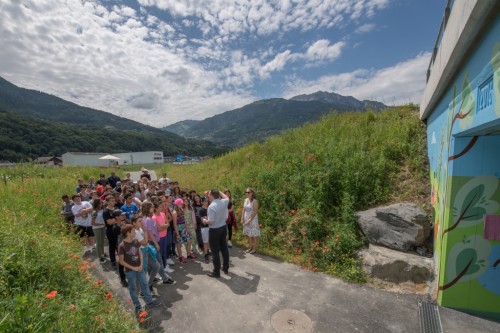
(241, 285)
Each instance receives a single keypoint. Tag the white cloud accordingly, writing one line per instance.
(399, 84)
(322, 50)
(132, 63)
(362, 29)
(264, 17)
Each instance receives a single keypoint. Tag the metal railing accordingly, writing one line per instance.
(442, 28)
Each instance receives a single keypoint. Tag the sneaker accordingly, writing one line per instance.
(141, 294)
(151, 290)
(124, 283)
(229, 244)
(167, 269)
(113, 264)
(191, 256)
(183, 260)
(103, 260)
(156, 279)
(169, 281)
(153, 304)
(170, 261)
(207, 260)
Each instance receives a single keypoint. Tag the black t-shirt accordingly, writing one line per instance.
(203, 213)
(106, 215)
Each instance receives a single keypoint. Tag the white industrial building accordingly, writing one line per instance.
(84, 159)
(142, 157)
(93, 159)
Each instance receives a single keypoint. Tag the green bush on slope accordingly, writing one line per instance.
(311, 180)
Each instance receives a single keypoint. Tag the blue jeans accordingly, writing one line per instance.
(163, 249)
(156, 266)
(170, 242)
(132, 278)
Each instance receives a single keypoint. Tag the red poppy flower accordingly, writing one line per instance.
(108, 296)
(99, 282)
(72, 307)
(143, 314)
(52, 294)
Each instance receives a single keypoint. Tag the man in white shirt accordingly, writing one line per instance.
(82, 211)
(217, 214)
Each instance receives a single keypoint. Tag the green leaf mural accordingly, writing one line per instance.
(473, 200)
(467, 260)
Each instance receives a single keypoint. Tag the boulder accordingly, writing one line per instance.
(397, 267)
(400, 227)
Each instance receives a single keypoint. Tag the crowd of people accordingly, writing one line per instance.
(150, 224)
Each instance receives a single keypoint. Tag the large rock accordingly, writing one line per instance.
(394, 266)
(400, 227)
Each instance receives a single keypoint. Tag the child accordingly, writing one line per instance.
(153, 238)
(66, 210)
(204, 227)
(190, 223)
(98, 225)
(181, 231)
(162, 224)
(130, 256)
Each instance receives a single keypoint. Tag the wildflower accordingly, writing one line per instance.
(260, 225)
(99, 282)
(337, 236)
(72, 307)
(109, 295)
(143, 314)
(312, 249)
(141, 320)
(52, 294)
(314, 269)
(299, 251)
(67, 267)
(316, 242)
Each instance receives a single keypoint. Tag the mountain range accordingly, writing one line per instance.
(37, 124)
(66, 126)
(264, 118)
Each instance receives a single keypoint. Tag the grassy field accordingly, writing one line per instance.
(309, 181)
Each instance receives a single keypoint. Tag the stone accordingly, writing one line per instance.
(400, 227)
(397, 267)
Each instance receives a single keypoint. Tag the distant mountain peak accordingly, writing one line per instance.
(339, 101)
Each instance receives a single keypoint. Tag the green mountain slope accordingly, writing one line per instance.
(262, 119)
(36, 104)
(28, 138)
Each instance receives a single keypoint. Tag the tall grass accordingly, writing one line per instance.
(45, 285)
(310, 182)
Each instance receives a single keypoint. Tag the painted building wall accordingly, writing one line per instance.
(464, 155)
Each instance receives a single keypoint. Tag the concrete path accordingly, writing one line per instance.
(259, 287)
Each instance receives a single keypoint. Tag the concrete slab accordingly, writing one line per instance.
(259, 286)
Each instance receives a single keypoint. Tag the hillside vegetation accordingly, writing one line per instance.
(310, 181)
(25, 138)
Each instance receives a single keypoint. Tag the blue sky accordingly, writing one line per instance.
(162, 61)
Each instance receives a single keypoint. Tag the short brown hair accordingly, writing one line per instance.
(126, 229)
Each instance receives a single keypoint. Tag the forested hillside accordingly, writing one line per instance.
(25, 138)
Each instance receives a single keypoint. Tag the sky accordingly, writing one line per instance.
(162, 61)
